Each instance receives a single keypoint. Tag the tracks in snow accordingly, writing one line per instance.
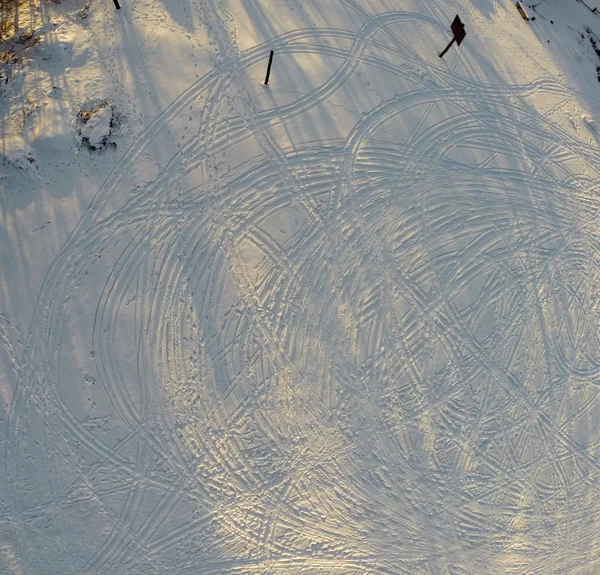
(349, 356)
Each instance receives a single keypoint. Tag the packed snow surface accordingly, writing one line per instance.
(344, 323)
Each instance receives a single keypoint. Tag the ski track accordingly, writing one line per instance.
(398, 386)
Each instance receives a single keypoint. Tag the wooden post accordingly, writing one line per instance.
(117, 5)
(522, 12)
(269, 68)
(447, 47)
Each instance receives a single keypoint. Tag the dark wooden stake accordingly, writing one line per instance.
(447, 47)
(117, 5)
(522, 12)
(269, 68)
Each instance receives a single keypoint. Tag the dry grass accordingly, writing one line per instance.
(8, 57)
(8, 14)
(17, 17)
(91, 108)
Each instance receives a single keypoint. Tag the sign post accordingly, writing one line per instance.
(458, 32)
(269, 68)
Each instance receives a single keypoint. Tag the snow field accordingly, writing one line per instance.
(343, 324)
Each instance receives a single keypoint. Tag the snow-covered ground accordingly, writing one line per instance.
(344, 323)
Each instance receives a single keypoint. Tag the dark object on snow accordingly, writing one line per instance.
(593, 42)
(117, 5)
(592, 10)
(269, 68)
(458, 31)
(532, 19)
(522, 12)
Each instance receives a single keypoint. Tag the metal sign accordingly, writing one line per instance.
(458, 30)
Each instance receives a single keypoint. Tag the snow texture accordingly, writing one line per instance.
(346, 323)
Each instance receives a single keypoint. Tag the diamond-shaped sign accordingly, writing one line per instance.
(458, 29)
(458, 34)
